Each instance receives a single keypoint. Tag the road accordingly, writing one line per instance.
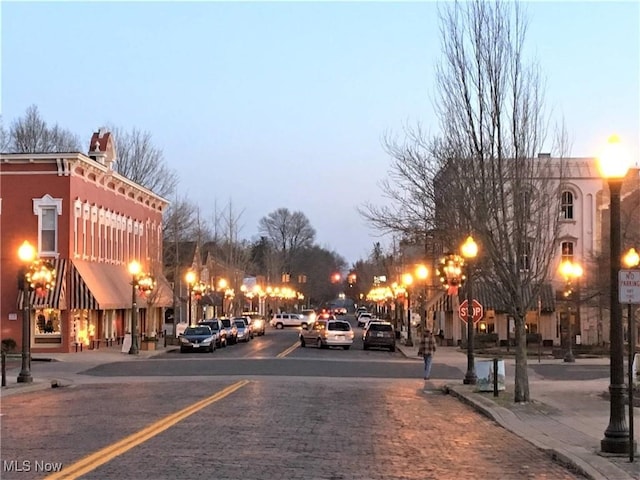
(244, 413)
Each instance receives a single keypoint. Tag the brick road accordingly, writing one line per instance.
(273, 428)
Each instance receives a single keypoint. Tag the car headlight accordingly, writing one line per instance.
(184, 340)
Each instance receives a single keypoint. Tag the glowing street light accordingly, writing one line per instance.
(613, 164)
(571, 272)
(469, 251)
(190, 278)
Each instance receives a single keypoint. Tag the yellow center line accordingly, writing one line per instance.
(93, 461)
(287, 351)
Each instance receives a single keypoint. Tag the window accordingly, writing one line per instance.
(47, 209)
(566, 205)
(48, 230)
(567, 251)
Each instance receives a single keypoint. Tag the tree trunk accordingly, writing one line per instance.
(521, 393)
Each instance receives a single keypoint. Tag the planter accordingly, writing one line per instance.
(148, 345)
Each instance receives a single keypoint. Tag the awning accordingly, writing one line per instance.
(102, 286)
(54, 298)
(99, 286)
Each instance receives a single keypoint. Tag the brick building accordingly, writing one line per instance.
(90, 223)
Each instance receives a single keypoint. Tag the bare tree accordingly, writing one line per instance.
(288, 232)
(409, 187)
(142, 162)
(4, 137)
(31, 134)
(493, 124)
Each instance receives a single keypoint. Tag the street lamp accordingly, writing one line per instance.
(407, 280)
(469, 252)
(570, 271)
(222, 286)
(613, 165)
(38, 276)
(422, 273)
(631, 260)
(190, 277)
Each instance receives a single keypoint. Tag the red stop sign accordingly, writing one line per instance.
(478, 311)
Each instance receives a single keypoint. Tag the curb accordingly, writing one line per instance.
(509, 421)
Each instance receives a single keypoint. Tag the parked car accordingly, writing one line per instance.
(327, 333)
(257, 322)
(232, 331)
(281, 320)
(244, 329)
(340, 310)
(218, 329)
(199, 337)
(360, 310)
(363, 318)
(379, 334)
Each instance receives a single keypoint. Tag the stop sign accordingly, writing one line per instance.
(478, 311)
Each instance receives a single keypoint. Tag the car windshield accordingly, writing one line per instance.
(240, 324)
(380, 327)
(197, 331)
(211, 325)
(226, 322)
(342, 326)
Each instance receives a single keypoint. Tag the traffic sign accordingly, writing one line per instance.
(478, 311)
(629, 286)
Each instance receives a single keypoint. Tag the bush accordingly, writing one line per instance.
(8, 345)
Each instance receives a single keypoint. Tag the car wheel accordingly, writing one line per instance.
(212, 348)
(303, 325)
(183, 350)
(346, 347)
(302, 342)
(279, 326)
(365, 347)
(320, 344)
(392, 349)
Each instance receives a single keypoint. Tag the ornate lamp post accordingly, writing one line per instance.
(144, 283)
(190, 278)
(570, 271)
(613, 166)
(422, 273)
(469, 252)
(222, 287)
(407, 280)
(35, 275)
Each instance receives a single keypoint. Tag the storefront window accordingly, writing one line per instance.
(47, 327)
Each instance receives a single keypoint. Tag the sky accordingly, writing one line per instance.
(265, 105)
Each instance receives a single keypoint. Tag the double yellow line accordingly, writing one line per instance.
(106, 454)
(287, 351)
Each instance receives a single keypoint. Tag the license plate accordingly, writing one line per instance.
(379, 334)
(196, 345)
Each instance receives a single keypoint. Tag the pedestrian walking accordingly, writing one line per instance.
(427, 349)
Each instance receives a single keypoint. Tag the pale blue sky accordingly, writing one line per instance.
(270, 105)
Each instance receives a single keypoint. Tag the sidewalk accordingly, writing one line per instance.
(565, 418)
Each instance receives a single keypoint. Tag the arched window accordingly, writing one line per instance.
(567, 251)
(567, 205)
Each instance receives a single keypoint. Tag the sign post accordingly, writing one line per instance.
(629, 293)
(478, 311)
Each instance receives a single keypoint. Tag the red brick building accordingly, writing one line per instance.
(90, 223)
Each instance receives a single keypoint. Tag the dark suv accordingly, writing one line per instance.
(218, 329)
(379, 334)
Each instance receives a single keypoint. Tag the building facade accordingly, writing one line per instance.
(89, 223)
(557, 318)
